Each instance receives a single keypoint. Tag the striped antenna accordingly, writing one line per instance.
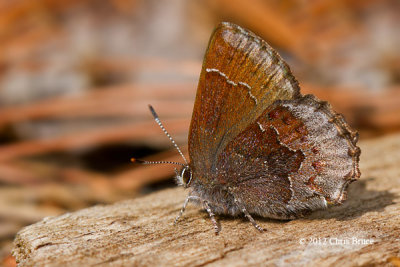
(153, 112)
(135, 160)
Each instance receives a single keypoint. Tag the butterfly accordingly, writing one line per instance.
(256, 144)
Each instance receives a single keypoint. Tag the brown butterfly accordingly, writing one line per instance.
(256, 144)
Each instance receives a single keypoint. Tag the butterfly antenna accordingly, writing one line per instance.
(153, 112)
(140, 161)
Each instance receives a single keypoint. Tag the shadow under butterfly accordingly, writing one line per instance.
(256, 144)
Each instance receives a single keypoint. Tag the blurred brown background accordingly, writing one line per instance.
(76, 77)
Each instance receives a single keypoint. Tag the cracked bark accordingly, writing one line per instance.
(141, 231)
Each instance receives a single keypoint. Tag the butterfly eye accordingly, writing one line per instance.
(186, 175)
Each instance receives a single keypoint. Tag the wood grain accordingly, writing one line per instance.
(140, 232)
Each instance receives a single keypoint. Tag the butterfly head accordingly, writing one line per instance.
(184, 176)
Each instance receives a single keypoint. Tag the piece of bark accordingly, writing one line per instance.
(140, 232)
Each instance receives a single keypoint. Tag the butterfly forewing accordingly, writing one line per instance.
(241, 76)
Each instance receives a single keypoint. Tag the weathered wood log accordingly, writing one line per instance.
(140, 232)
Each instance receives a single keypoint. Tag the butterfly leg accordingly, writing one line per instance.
(189, 197)
(212, 217)
(248, 216)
